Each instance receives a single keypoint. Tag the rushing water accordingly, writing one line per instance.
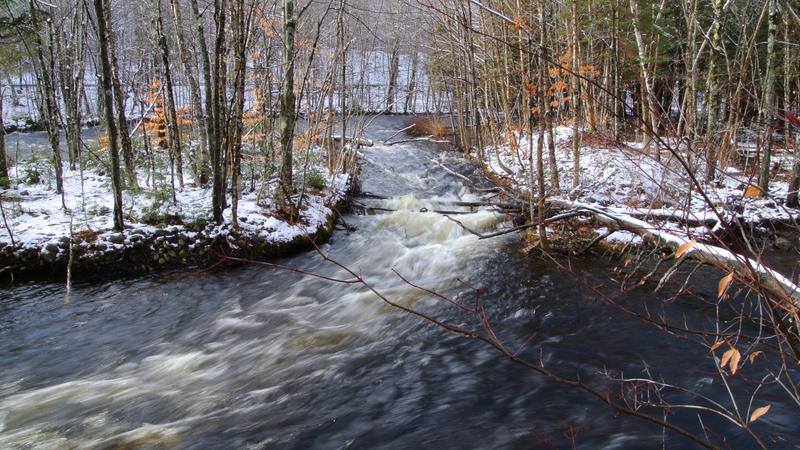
(263, 358)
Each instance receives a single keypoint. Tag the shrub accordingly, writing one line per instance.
(315, 180)
(428, 126)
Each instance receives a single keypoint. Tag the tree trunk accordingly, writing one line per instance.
(712, 93)
(411, 91)
(103, 29)
(237, 109)
(647, 82)
(542, 127)
(119, 101)
(4, 180)
(217, 111)
(71, 72)
(769, 96)
(48, 107)
(173, 132)
(394, 69)
(286, 119)
(198, 116)
(211, 144)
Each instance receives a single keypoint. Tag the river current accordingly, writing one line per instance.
(258, 357)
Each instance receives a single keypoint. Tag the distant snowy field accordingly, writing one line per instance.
(367, 78)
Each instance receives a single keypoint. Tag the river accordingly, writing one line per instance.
(257, 357)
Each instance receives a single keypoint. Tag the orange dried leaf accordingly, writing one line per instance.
(726, 357)
(754, 355)
(735, 362)
(717, 345)
(519, 24)
(731, 359)
(724, 283)
(735, 357)
(753, 192)
(685, 248)
(758, 412)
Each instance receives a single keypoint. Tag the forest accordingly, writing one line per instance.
(594, 199)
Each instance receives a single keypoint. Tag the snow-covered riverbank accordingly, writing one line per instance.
(160, 234)
(625, 179)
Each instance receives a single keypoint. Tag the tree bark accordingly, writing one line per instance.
(218, 113)
(286, 120)
(237, 108)
(103, 27)
(576, 100)
(48, 107)
(198, 116)
(173, 132)
(119, 101)
(4, 180)
(651, 111)
(769, 95)
(712, 92)
(543, 106)
(394, 69)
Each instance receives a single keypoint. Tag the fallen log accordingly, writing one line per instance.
(751, 271)
(386, 142)
(360, 142)
(744, 268)
(419, 139)
(669, 215)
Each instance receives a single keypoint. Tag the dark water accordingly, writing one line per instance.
(260, 358)
(23, 145)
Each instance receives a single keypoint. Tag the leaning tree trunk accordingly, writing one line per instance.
(103, 29)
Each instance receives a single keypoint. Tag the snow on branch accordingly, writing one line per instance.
(744, 267)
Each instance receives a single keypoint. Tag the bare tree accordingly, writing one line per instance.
(287, 115)
(103, 14)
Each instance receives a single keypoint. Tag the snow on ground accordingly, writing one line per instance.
(628, 180)
(19, 114)
(36, 217)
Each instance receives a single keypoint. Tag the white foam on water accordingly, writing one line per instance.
(303, 333)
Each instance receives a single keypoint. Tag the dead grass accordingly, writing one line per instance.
(86, 235)
(429, 126)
